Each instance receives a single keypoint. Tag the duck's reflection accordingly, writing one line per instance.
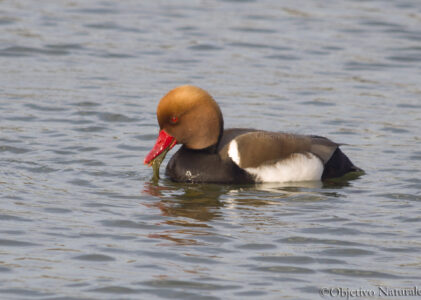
(202, 202)
(189, 207)
(193, 207)
(199, 202)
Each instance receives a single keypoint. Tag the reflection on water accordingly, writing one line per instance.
(197, 202)
(202, 202)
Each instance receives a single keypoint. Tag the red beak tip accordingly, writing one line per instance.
(163, 142)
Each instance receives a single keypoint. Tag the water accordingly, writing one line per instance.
(79, 85)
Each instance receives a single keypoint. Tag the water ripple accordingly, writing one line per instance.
(17, 51)
(285, 270)
(359, 273)
(112, 117)
(15, 243)
(187, 284)
(346, 252)
(15, 150)
(127, 224)
(94, 257)
(118, 290)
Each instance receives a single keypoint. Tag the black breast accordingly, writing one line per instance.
(204, 166)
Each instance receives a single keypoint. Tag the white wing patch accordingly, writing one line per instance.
(233, 152)
(298, 167)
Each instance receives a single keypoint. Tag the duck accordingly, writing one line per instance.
(188, 115)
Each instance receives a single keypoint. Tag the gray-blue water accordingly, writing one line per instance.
(79, 85)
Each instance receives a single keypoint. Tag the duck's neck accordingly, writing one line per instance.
(221, 133)
(214, 147)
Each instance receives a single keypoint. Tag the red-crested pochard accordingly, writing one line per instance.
(189, 116)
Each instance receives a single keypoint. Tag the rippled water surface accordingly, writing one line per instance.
(79, 84)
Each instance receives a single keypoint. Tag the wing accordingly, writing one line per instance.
(322, 147)
(253, 149)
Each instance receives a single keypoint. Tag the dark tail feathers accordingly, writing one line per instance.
(338, 165)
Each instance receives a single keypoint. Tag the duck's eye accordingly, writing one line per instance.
(174, 120)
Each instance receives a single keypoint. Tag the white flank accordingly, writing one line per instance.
(298, 167)
(233, 152)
